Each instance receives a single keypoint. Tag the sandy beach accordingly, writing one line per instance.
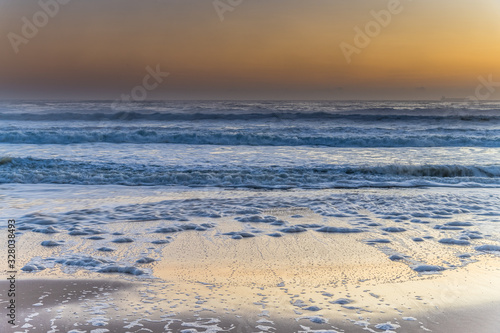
(208, 280)
(459, 301)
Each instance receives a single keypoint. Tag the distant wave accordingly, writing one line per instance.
(32, 171)
(371, 114)
(329, 137)
(248, 110)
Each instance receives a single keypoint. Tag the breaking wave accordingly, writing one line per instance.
(58, 171)
(285, 136)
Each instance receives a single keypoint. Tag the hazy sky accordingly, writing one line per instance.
(262, 49)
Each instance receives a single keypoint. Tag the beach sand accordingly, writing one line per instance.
(205, 281)
(458, 301)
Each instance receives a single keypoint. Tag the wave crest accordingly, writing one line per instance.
(32, 171)
(285, 136)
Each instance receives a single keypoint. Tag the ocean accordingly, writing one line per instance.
(102, 186)
(269, 145)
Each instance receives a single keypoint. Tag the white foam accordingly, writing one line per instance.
(428, 268)
(33, 268)
(122, 269)
(488, 247)
(98, 321)
(50, 243)
(452, 241)
(315, 319)
(387, 326)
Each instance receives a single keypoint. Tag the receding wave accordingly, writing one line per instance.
(334, 137)
(33, 171)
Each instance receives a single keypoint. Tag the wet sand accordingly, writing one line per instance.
(240, 291)
(207, 280)
(457, 301)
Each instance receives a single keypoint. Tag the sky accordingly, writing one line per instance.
(249, 49)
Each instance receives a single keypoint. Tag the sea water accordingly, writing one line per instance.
(250, 146)
(74, 167)
(231, 195)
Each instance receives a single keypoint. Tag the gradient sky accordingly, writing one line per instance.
(263, 49)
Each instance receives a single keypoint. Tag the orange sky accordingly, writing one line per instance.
(263, 49)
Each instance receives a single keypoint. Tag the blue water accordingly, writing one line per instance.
(251, 144)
